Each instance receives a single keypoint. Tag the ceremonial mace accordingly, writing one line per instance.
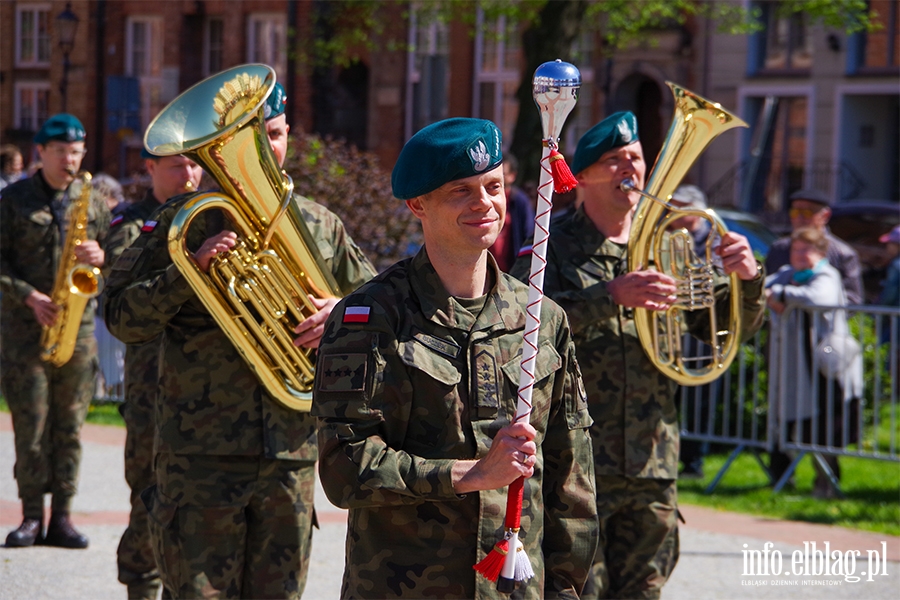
(555, 91)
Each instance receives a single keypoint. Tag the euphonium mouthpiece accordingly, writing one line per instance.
(627, 185)
(189, 186)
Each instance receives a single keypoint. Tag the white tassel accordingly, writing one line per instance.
(524, 571)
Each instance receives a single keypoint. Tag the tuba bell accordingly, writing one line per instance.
(75, 283)
(696, 122)
(257, 292)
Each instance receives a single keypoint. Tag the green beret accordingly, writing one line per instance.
(62, 127)
(616, 130)
(146, 154)
(445, 151)
(276, 102)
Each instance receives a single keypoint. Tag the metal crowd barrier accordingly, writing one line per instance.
(748, 411)
(111, 353)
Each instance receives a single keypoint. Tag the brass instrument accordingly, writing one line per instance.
(75, 284)
(696, 122)
(257, 292)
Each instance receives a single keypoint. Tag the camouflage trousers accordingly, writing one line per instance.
(232, 526)
(638, 546)
(137, 567)
(48, 405)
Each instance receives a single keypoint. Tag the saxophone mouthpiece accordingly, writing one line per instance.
(627, 185)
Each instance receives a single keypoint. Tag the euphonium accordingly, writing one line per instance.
(695, 124)
(257, 292)
(75, 284)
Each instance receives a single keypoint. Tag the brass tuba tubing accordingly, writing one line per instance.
(696, 122)
(257, 292)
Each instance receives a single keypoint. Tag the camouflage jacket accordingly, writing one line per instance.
(418, 382)
(141, 360)
(31, 247)
(209, 400)
(635, 429)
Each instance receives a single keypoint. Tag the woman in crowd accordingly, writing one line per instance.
(821, 361)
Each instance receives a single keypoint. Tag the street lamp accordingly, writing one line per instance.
(66, 25)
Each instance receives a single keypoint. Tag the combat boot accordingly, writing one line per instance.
(26, 535)
(60, 532)
(144, 589)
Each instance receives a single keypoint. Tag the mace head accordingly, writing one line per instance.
(555, 91)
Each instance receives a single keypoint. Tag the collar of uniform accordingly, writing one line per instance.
(589, 237)
(440, 307)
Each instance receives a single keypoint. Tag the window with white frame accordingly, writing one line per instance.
(33, 35)
(143, 59)
(267, 42)
(213, 43)
(784, 44)
(31, 104)
(779, 152)
(428, 74)
(497, 73)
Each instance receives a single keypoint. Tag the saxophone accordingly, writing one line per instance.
(75, 284)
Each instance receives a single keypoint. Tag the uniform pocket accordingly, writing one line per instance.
(416, 355)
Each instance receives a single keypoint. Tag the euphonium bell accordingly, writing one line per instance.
(257, 292)
(695, 124)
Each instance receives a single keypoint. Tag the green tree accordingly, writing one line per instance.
(550, 27)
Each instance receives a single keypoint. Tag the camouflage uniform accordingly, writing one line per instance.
(426, 382)
(137, 567)
(635, 431)
(232, 509)
(48, 404)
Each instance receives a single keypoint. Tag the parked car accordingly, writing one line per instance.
(860, 224)
(752, 227)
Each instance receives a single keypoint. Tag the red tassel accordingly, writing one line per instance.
(563, 180)
(492, 564)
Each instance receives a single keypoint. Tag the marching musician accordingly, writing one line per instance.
(416, 388)
(635, 423)
(231, 512)
(170, 176)
(48, 403)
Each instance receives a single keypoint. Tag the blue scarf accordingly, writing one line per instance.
(805, 275)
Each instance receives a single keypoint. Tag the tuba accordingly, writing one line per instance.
(75, 284)
(696, 123)
(257, 292)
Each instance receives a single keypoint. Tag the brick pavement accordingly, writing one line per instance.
(710, 567)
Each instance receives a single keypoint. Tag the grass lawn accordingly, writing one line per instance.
(872, 489)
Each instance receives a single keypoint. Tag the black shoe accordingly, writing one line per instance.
(26, 535)
(61, 533)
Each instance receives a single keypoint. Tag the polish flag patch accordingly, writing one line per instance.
(356, 314)
(526, 250)
(117, 220)
(149, 226)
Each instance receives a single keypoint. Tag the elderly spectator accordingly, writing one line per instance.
(11, 165)
(111, 191)
(810, 280)
(812, 208)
